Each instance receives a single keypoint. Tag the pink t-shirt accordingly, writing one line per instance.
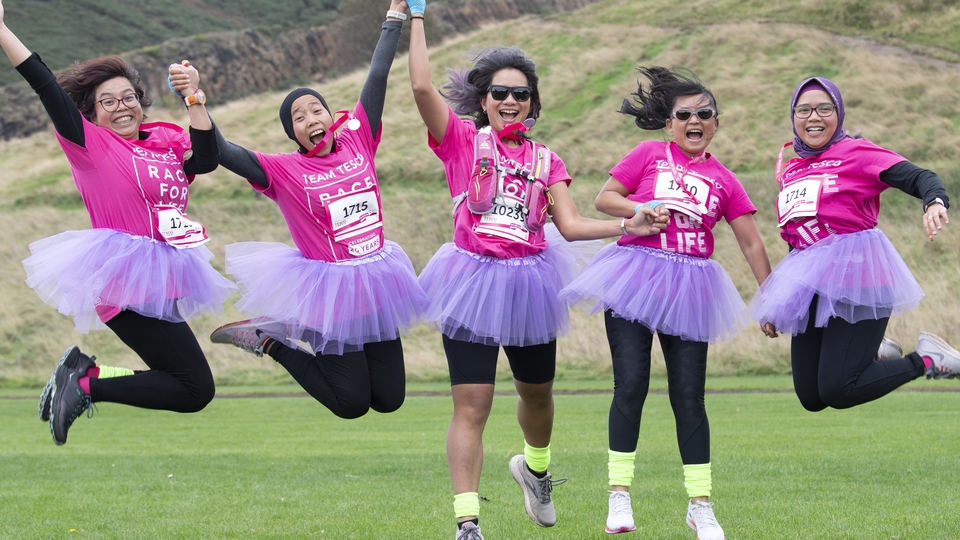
(835, 192)
(646, 172)
(122, 181)
(331, 203)
(486, 234)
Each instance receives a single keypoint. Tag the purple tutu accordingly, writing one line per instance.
(335, 307)
(857, 276)
(483, 299)
(679, 295)
(83, 273)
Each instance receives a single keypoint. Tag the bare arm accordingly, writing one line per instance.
(751, 245)
(433, 108)
(574, 226)
(612, 199)
(16, 51)
(186, 79)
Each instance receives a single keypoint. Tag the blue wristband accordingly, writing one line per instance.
(416, 6)
(170, 84)
(638, 207)
(654, 204)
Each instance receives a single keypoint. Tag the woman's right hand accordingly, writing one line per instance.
(648, 221)
(417, 6)
(398, 5)
(184, 78)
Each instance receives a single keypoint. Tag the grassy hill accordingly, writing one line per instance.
(894, 62)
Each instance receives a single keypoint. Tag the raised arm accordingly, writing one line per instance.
(375, 88)
(66, 118)
(185, 78)
(433, 108)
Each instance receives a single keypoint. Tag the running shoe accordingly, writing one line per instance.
(469, 531)
(701, 519)
(68, 401)
(946, 359)
(249, 335)
(46, 398)
(536, 492)
(889, 349)
(620, 516)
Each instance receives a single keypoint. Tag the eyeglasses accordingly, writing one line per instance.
(683, 115)
(824, 110)
(113, 104)
(520, 93)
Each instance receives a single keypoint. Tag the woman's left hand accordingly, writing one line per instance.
(769, 330)
(932, 219)
(184, 78)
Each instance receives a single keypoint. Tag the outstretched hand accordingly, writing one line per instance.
(1, 11)
(932, 219)
(648, 221)
(417, 6)
(184, 78)
(398, 5)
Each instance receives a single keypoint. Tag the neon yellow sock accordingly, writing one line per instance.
(697, 480)
(620, 467)
(538, 459)
(108, 372)
(466, 504)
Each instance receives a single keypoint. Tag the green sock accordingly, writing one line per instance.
(108, 372)
(466, 504)
(697, 480)
(620, 467)
(538, 459)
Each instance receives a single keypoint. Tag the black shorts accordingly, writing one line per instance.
(476, 363)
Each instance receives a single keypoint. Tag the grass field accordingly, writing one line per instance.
(284, 467)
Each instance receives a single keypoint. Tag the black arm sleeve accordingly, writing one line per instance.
(206, 155)
(375, 88)
(62, 110)
(240, 161)
(921, 183)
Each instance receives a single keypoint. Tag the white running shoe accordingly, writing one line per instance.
(469, 531)
(946, 359)
(889, 349)
(536, 492)
(250, 335)
(620, 515)
(701, 519)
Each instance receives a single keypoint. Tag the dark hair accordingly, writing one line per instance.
(81, 83)
(467, 88)
(656, 103)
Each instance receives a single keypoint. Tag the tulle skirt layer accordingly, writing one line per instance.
(83, 273)
(680, 295)
(335, 307)
(857, 276)
(484, 299)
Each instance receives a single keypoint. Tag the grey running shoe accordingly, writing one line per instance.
(889, 349)
(620, 515)
(946, 359)
(536, 492)
(68, 400)
(701, 519)
(249, 335)
(469, 531)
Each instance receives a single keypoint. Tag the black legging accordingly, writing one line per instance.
(835, 366)
(179, 378)
(686, 361)
(351, 384)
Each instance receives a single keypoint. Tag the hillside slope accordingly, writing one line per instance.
(586, 61)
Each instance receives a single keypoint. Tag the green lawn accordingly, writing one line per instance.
(284, 467)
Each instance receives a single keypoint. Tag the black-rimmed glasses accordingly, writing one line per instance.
(824, 110)
(112, 104)
(520, 93)
(683, 115)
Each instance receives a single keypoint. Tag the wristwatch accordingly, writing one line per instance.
(197, 98)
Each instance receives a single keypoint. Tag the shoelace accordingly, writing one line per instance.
(545, 487)
(85, 404)
(704, 517)
(620, 503)
(470, 534)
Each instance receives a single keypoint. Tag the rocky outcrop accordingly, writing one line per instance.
(236, 64)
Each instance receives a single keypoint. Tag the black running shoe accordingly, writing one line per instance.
(68, 400)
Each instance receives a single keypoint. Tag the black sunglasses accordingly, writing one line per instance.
(520, 93)
(683, 115)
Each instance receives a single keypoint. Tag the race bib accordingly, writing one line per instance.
(176, 229)
(798, 199)
(692, 201)
(353, 218)
(505, 220)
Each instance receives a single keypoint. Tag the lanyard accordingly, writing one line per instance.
(330, 132)
(780, 163)
(676, 174)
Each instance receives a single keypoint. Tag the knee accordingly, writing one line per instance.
(350, 411)
(198, 399)
(387, 405)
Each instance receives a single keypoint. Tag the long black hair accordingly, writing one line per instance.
(467, 88)
(653, 106)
